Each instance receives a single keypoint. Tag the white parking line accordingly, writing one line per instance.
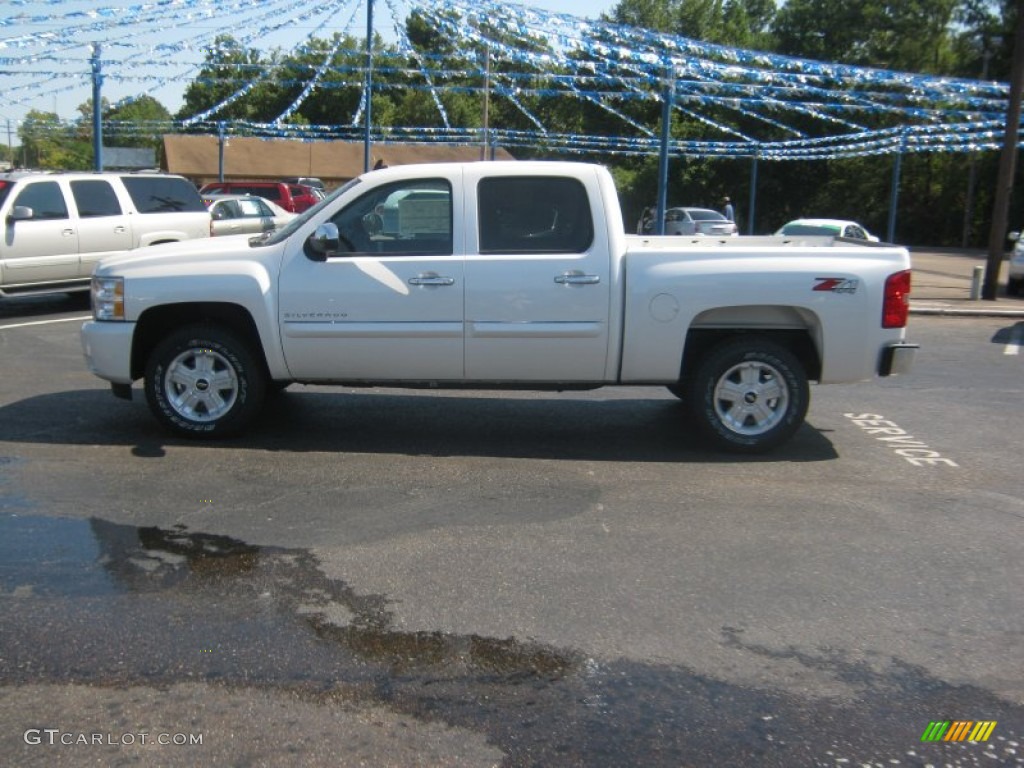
(1016, 337)
(46, 322)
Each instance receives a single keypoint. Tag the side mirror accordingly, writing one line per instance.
(323, 242)
(21, 213)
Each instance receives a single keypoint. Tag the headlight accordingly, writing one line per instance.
(108, 298)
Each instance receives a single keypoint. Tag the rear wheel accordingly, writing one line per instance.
(749, 395)
(203, 381)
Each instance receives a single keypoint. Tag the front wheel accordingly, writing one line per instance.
(202, 381)
(749, 395)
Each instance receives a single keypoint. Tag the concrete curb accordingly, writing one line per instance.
(974, 312)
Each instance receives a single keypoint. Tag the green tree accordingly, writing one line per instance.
(139, 122)
(51, 144)
(903, 35)
(239, 80)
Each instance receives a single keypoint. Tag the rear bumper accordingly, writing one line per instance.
(897, 358)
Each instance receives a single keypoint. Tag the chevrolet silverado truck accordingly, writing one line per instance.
(497, 275)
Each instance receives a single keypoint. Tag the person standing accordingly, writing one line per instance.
(727, 209)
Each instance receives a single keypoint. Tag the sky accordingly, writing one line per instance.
(45, 45)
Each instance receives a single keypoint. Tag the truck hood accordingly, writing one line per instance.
(187, 256)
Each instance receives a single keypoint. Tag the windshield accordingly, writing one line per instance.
(809, 229)
(280, 235)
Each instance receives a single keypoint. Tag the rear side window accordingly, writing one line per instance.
(162, 194)
(95, 197)
(526, 214)
(45, 199)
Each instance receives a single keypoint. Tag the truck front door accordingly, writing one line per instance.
(388, 305)
(537, 281)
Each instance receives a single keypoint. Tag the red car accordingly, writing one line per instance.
(294, 198)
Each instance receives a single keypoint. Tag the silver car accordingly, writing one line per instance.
(244, 214)
(698, 221)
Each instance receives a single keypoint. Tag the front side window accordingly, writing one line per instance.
(45, 199)
(405, 218)
(94, 197)
(525, 214)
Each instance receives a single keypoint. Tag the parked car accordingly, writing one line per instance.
(244, 214)
(690, 221)
(57, 226)
(829, 227)
(294, 198)
(1015, 277)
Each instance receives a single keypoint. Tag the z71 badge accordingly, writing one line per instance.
(836, 284)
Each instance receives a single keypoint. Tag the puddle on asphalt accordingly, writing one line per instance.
(93, 601)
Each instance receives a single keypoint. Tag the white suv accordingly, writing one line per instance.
(57, 226)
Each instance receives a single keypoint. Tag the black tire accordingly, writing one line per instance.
(748, 395)
(1013, 287)
(202, 381)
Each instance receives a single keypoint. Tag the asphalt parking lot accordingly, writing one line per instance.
(477, 578)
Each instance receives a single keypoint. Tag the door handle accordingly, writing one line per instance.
(431, 280)
(119, 230)
(578, 279)
(67, 232)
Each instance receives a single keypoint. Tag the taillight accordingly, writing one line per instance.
(896, 304)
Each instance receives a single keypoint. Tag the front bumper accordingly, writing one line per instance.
(897, 358)
(108, 350)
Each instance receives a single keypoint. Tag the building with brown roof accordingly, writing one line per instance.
(334, 162)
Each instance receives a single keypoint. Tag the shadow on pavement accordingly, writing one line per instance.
(408, 424)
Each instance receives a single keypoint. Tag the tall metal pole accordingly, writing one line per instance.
(753, 192)
(894, 192)
(368, 85)
(97, 109)
(667, 96)
(487, 102)
(972, 169)
(1007, 167)
(220, 151)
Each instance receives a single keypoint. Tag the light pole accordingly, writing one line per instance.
(368, 85)
(97, 109)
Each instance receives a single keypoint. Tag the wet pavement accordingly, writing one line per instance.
(91, 605)
(172, 626)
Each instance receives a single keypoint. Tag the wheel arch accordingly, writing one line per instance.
(155, 323)
(796, 329)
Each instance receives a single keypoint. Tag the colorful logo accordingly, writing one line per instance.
(958, 730)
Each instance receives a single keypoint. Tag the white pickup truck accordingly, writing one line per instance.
(498, 275)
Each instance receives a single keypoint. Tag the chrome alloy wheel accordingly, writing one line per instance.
(201, 385)
(751, 398)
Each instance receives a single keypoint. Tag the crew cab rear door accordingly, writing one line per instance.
(537, 278)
